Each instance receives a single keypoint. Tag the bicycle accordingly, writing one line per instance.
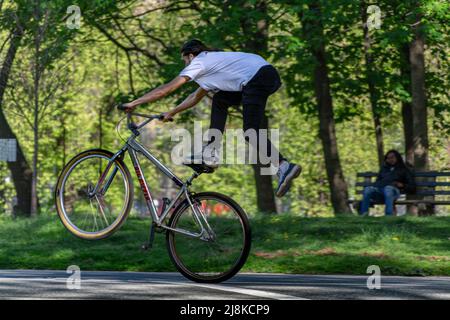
(94, 195)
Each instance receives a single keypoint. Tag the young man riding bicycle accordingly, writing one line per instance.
(235, 78)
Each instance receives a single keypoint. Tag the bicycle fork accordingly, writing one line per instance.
(103, 175)
(206, 234)
(99, 194)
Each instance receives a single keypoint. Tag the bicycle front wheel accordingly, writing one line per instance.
(90, 214)
(211, 259)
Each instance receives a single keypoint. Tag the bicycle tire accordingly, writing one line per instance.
(170, 239)
(58, 196)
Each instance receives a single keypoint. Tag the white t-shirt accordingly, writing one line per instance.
(223, 70)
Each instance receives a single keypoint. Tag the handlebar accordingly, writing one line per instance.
(135, 127)
(121, 107)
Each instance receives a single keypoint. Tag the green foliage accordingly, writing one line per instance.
(97, 73)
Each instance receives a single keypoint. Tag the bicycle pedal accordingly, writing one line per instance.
(146, 246)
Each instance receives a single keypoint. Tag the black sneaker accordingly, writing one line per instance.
(285, 178)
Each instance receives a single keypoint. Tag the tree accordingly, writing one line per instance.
(313, 33)
(342, 83)
(255, 25)
(16, 18)
(407, 115)
(371, 83)
(40, 31)
(40, 78)
(418, 93)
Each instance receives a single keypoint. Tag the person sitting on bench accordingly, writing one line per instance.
(393, 179)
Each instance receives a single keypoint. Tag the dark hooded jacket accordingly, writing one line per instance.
(389, 174)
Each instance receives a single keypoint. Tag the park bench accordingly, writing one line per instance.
(429, 186)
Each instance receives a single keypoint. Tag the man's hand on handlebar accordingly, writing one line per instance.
(127, 107)
(166, 117)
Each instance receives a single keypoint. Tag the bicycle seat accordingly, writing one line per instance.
(200, 167)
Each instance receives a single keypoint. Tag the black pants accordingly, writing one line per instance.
(253, 98)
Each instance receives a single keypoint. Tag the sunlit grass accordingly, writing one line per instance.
(285, 243)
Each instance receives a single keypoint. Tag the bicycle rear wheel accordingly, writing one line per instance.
(214, 260)
(89, 215)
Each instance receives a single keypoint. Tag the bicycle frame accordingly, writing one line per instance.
(133, 147)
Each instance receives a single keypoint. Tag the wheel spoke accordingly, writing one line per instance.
(95, 219)
(101, 203)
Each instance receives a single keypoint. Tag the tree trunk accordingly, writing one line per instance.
(34, 180)
(20, 170)
(408, 132)
(370, 76)
(407, 120)
(327, 132)
(64, 151)
(100, 127)
(448, 152)
(405, 72)
(407, 116)
(36, 79)
(419, 104)
(257, 42)
(264, 190)
(313, 31)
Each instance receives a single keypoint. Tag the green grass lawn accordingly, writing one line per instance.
(284, 243)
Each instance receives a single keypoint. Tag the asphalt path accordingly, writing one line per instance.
(50, 284)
